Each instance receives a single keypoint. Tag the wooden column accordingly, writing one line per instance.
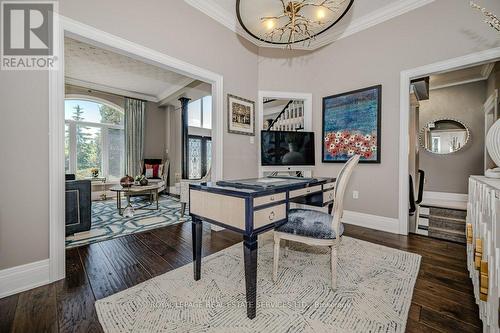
(184, 136)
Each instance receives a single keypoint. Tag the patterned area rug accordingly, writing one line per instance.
(107, 223)
(374, 293)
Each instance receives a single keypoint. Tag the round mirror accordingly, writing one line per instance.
(444, 136)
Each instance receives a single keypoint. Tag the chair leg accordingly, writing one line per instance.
(334, 259)
(183, 208)
(276, 257)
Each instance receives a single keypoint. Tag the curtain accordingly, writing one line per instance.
(134, 136)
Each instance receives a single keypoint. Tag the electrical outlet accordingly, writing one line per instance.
(252, 140)
(355, 194)
(178, 177)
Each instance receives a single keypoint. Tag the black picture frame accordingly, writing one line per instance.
(378, 159)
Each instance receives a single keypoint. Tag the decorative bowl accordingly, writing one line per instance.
(127, 181)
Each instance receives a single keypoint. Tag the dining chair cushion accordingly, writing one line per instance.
(310, 223)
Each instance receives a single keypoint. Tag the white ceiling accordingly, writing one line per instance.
(95, 68)
(362, 15)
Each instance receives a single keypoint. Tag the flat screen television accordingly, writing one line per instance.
(287, 148)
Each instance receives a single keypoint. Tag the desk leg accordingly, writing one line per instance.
(330, 208)
(197, 229)
(250, 256)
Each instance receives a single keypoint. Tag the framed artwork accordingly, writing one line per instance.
(351, 125)
(241, 115)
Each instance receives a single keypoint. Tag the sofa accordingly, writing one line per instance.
(78, 205)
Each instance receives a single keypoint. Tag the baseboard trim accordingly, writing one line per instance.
(21, 278)
(376, 222)
(429, 195)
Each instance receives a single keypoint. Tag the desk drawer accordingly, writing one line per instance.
(305, 191)
(328, 186)
(268, 215)
(260, 201)
(328, 196)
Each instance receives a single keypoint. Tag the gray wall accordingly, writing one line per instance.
(170, 27)
(441, 30)
(450, 173)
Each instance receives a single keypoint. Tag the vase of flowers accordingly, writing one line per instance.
(141, 180)
(94, 172)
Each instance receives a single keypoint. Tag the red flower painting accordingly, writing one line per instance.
(349, 143)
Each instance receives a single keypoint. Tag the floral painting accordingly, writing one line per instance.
(351, 125)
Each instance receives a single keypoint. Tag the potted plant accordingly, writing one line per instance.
(141, 180)
(94, 172)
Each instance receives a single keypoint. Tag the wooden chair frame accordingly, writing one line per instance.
(337, 213)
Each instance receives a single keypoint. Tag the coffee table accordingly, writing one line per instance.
(149, 190)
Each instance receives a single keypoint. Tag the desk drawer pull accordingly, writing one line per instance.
(271, 216)
(267, 199)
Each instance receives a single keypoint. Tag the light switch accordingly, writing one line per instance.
(252, 140)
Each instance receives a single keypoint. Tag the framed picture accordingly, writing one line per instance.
(241, 115)
(351, 125)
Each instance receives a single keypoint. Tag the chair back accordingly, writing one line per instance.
(340, 186)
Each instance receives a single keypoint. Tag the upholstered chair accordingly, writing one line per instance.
(316, 228)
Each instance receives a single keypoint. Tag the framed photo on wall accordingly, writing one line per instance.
(241, 115)
(351, 125)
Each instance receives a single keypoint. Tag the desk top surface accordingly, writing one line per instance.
(260, 186)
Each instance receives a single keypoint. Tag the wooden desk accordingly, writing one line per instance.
(251, 212)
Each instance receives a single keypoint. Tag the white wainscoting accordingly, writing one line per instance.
(376, 222)
(20, 278)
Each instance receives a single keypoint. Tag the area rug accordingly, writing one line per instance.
(107, 223)
(375, 287)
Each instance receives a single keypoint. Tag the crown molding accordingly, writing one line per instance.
(108, 89)
(172, 90)
(227, 19)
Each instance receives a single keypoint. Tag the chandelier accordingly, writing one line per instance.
(491, 19)
(287, 22)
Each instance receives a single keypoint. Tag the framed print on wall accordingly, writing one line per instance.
(241, 115)
(351, 125)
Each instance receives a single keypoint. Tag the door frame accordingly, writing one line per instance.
(77, 30)
(405, 77)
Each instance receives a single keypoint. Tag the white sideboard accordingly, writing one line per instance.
(483, 247)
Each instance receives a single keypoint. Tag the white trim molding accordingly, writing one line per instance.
(228, 19)
(21, 278)
(376, 222)
(85, 33)
(477, 58)
(445, 196)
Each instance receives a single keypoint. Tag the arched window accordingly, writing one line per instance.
(95, 137)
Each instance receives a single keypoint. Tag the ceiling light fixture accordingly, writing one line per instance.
(288, 22)
(492, 20)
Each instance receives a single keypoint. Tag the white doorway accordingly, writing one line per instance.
(405, 79)
(76, 30)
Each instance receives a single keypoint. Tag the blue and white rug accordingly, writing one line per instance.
(107, 223)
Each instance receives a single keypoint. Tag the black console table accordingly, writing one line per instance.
(251, 207)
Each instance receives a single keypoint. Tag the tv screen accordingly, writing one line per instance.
(287, 148)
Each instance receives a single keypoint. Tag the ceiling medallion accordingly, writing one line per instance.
(289, 22)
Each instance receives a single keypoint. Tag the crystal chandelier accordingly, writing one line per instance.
(288, 22)
(491, 19)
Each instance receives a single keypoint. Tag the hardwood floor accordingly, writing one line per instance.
(442, 300)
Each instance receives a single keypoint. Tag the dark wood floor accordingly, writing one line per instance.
(442, 299)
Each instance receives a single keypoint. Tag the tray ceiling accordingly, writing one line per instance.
(364, 14)
(96, 68)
